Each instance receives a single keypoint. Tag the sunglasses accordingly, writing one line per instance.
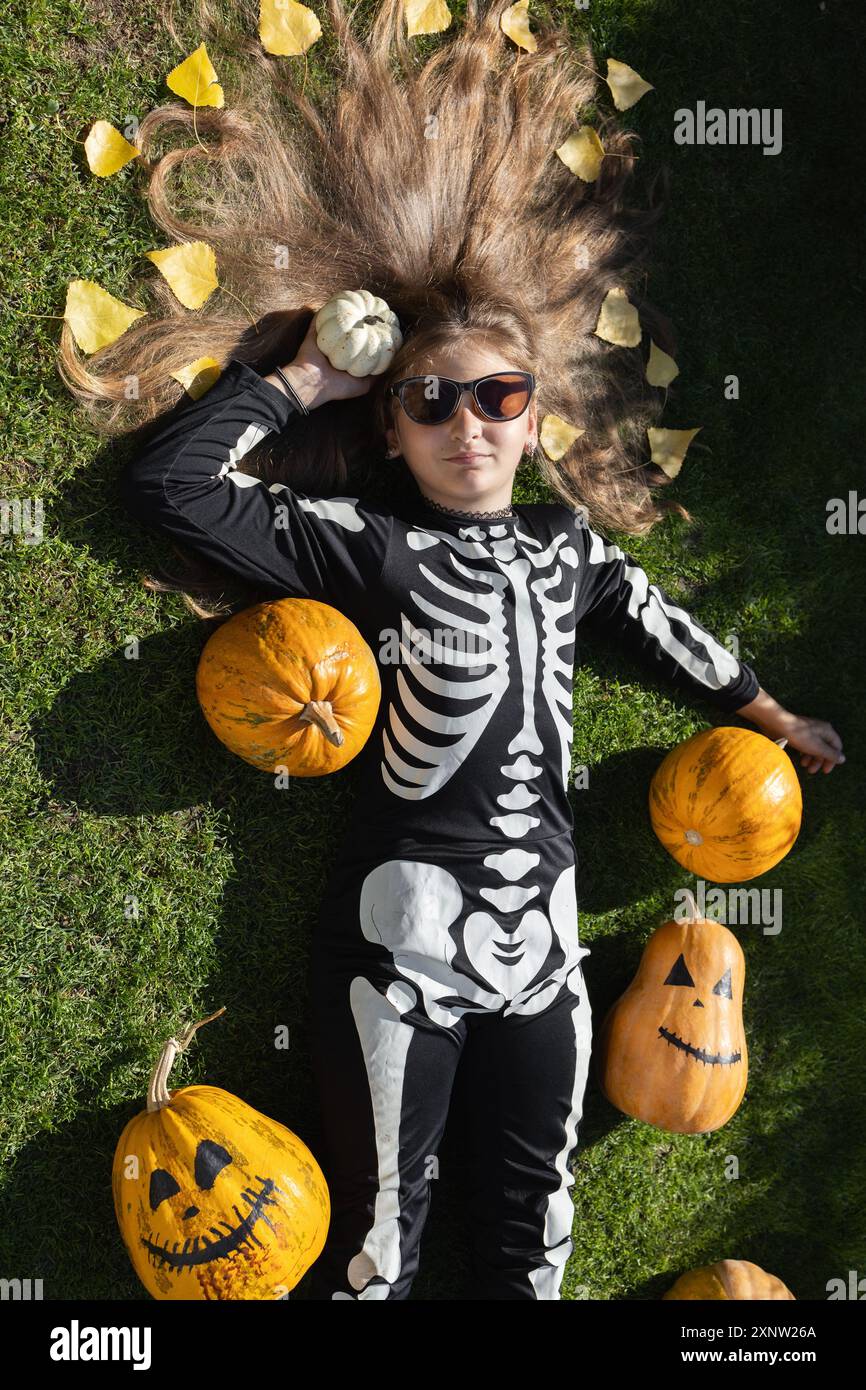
(431, 400)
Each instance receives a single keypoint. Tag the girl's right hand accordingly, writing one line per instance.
(316, 381)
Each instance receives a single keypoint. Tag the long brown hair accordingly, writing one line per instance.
(432, 183)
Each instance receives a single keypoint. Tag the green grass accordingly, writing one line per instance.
(119, 801)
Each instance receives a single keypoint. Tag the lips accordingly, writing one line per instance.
(466, 458)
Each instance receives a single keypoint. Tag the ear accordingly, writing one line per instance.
(392, 440)
(532, 423)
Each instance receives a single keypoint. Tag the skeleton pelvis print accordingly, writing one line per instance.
(519, 960)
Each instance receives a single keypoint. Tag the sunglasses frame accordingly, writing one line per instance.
(396, 387)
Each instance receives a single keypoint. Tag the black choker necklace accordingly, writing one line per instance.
(468, 516)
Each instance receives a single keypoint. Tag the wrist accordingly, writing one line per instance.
(767, 713)
(305, 380)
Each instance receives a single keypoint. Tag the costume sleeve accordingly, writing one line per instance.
(615, 596)
(186, 481)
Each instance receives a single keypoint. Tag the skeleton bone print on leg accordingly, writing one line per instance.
(523, 945)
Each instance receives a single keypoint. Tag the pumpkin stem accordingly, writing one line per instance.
(320, 713)
(694, 837)
(157, 1090)
(692, 914)
(781, 741)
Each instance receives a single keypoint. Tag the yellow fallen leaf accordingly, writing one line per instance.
(94, 316)
(107, 150)
(669, 448)
(582, 153)
(515, 23)
(618, 320)
(190, 271)
(426, 17)
(195, 80)
(287, 28)
(199, 376)
(556, 436)
(626, 86)
(660, 369)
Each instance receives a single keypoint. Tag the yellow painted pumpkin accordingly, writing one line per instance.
(729, 1279)
(213, 1199)
(290, 685)
(726, 804)
(672, 1049)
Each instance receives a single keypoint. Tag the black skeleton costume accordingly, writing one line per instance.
(448, 929)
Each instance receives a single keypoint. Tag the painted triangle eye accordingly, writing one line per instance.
(724, 985)
(210, 1159)
(162, 1185)
(679, 974)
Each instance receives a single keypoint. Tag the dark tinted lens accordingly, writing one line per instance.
(504, 396)
(428, 400)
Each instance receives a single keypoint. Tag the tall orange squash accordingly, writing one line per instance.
(672, 1049)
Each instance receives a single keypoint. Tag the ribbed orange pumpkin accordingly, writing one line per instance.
(213, 1199)
(726, 804)
(672, 1049)
(290, 684)
(729, 1279)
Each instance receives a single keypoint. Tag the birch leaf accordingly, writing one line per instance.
(660, 369)
(107, 150)
(582, 153)
(195, 80)
(626, 86)
(618, 321)
(95, 317)
(556, 436)
(669, 448)
(190, 271)
(426, 17)
(287, 28)
(515, 23)
(199, 376)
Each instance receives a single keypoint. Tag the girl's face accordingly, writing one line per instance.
(483, 481)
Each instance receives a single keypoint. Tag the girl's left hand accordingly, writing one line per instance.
(817, 741)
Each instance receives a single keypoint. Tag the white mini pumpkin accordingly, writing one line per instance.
(358, 333)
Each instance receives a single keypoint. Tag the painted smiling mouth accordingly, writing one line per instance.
(711, 1058)
(226, 1242)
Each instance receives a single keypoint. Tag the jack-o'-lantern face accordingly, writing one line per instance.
(200, 1210)
(221, 1202)
(680, 977)
(673, 1050)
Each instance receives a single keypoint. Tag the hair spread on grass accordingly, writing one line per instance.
(425, 172)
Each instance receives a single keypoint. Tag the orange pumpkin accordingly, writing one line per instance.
(726, 804)
(213, 1199)
(672, 1049)
(729, 1279)
(290, 685)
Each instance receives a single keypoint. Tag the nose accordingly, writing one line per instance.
(466, 411)
(190, 1211)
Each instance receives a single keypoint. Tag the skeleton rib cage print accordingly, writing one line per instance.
(460, 854)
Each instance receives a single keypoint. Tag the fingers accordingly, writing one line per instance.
(813, 764)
